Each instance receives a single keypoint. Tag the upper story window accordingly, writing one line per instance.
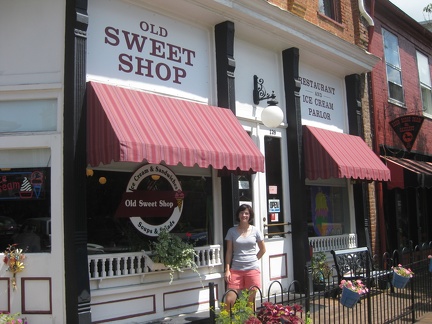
(393, 66)
(425, 82)
(330, 8)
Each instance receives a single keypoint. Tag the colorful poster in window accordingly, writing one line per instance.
(321, 209)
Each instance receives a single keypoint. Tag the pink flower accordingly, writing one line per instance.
(356, 286)
(404, 272)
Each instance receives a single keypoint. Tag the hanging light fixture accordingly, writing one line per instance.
(89, 172)
(155, 177)
(272, 116)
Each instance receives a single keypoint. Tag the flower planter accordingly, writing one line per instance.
(349, 298)
(153, 266)
(399, 281)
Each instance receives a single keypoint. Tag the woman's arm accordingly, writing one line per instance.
(228, 259)
(228, 255)
(262, 249)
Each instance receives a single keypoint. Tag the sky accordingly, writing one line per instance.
(413, 8)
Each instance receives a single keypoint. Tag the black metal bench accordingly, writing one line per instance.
(357, 263)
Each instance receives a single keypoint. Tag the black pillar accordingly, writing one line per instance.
(74, 197)
(353, 90)
(353, 86)
(225, 66)
(300, 240)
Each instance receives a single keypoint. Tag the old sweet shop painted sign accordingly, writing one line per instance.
(140, 48)
(153, 199)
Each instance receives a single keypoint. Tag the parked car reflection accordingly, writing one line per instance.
(94, 248)
(42, 227)
(8, 228)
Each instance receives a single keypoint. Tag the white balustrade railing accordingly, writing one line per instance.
(131, 263)
(334, 242)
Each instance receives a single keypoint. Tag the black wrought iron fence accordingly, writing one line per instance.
(383, 303)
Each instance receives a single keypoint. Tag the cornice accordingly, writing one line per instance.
(289, 30)
(263, 23)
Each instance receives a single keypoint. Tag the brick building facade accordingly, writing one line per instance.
(401, 87)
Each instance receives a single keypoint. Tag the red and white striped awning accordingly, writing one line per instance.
(125, 125)
(406, 173)
(329, 154)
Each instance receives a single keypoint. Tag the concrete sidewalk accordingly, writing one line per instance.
(426, 318)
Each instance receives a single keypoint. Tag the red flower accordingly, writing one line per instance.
(273, 313)
(253, 320)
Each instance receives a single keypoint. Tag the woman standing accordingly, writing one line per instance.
(241, 259)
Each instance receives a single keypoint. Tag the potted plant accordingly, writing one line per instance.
(277, 313)
(174, 253)
(242, 312)
(321, 271)
(351, 292)
(401, 276)
(7, 318)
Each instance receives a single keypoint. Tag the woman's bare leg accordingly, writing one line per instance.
(230, 299)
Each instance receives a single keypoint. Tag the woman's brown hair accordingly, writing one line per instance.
(242, 208)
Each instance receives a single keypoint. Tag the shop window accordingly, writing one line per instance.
(275, 214)
(25, 209)
(330, 8)
(108, 233)
(28, 116)
(328, 211)
(393, 66)
(425, 83)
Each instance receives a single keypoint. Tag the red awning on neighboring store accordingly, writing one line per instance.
(125, 125)
(329, 154)
(406, 173)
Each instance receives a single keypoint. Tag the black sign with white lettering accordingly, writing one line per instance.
(407, 128)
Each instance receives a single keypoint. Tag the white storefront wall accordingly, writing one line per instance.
(187, 72)
(31, 104)
(324, 105)
(112, 59)
(253, 59)
(129, 45)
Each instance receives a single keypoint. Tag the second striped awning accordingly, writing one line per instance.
(329, 154)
